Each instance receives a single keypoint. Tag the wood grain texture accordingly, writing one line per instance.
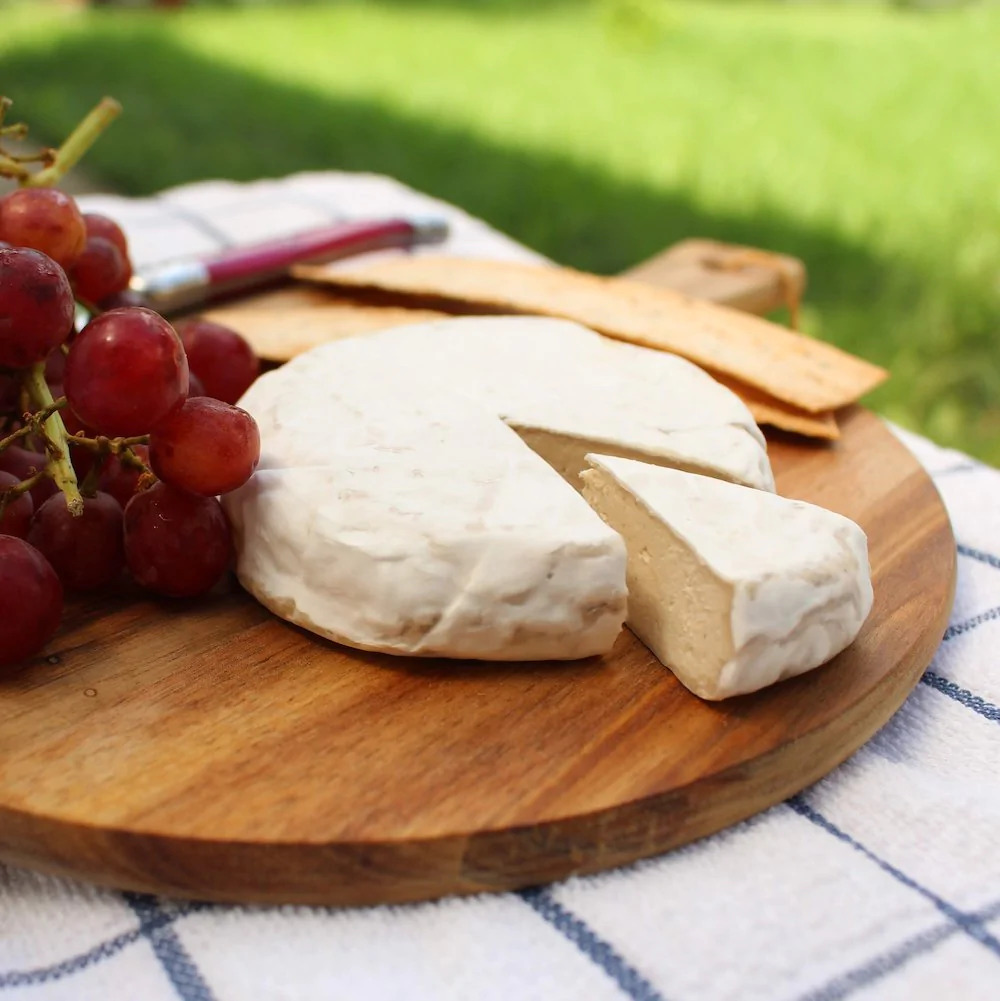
(211, 750)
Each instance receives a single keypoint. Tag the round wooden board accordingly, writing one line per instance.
(211, 750)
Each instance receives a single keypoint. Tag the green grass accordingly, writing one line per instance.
(863, 139)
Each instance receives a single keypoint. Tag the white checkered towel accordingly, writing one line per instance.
(882, 881)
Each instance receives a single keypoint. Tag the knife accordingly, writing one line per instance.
(190, 281)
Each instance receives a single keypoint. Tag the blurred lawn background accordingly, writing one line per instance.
(863, 138)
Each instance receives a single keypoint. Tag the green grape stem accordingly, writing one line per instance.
(9, 494)
(103, 447)
(9, 167)
(56, 441)
(13, 165)
(33, 424)
(76, 145)
(113, 446)
(92, 480)
(19, 131)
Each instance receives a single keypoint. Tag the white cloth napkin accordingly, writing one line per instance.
(206, 217)
(880, 882)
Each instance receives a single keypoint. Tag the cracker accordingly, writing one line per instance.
(282, 324)
(808, 374)
(286, 322)
(778, 414)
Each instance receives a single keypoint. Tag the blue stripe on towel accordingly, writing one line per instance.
(978, 554)
(105, 950)
(180, 969)
(46, 974)
(891, 960)
(881, 966)
(969, 923)
(963, 695)
(590, 944)
(969, 624)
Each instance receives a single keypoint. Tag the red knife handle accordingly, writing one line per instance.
(266, 260)
(183, 283)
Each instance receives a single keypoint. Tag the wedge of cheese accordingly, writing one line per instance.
(732, 589)
(412, 496)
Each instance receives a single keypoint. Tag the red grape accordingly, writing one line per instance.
(82, 460)
(101, 225)
(127, 297)
(31, 600)
(100, 271)
(73, 423)
(10, 395)
(120, 480)
(195, 387)
(36, 307)
(81, 457)
(176, 543)
(222, 359)
(87, 552)
(4, 245)
(55, 368)
(125, 371)
(205, 446)
(23, 463)
(44, 219)
(16, 517)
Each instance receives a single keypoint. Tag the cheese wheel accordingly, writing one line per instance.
(412, 494)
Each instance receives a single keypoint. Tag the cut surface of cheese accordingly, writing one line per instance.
(733, 589)
(395, 507)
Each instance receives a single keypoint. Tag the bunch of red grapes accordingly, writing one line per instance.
(154, 436)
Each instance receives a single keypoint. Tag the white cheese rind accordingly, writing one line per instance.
(395, 509)
(421, 527)
(791, 580)
(560, 377)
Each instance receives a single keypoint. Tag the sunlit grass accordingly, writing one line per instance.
(863, 139)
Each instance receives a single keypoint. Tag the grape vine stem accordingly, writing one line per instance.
(31, 427)
(76, 144)
(110, 446)
(9, 167)
(10, 494)
(57, 446)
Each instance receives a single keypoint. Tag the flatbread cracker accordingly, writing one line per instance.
(288, 322)
(809, 374)
(778, 414)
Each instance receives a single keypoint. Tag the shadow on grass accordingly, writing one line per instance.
(188, 119)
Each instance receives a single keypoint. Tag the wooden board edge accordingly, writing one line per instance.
(489, 861)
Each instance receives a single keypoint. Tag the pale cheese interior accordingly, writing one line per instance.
(679, 610)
